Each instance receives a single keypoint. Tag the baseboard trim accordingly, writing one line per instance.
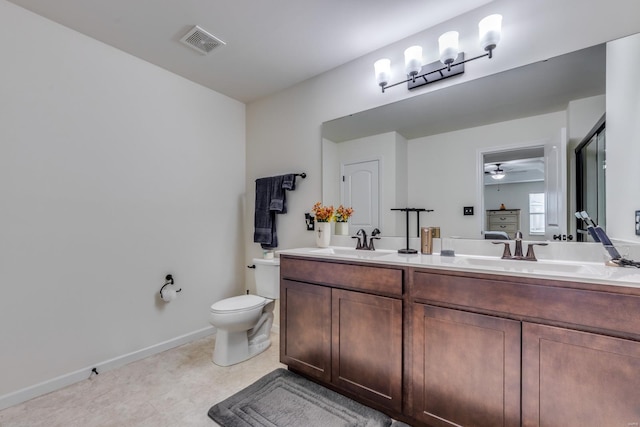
(57, 383)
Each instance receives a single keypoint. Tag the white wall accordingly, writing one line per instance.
(402, 187)
(582, 115)
(623, 110)
(330, 179)
(113, 173)
(283, 130)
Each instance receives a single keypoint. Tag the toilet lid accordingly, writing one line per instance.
(235, 304)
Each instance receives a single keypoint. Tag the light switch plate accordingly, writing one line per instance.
(637, 223)
(468, 210)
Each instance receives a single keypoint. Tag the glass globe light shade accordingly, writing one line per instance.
(413, 60)
(490, 29)
(448, 43)
(383, 71)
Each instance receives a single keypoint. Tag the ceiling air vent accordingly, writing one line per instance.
(200, 40)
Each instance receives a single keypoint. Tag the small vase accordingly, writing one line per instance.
(323, 234)
(342, 229)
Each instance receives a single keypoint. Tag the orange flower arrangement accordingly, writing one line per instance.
(323, 213)
(343, 214)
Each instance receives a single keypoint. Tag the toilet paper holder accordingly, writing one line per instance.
(168, 280)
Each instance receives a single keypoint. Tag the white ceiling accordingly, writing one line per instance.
(270, 45)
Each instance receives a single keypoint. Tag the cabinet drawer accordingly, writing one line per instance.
(506, 219)
(379, 280)
(509, 228)
(502, 213)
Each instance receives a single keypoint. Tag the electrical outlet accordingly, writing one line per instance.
(637, 223)
(309, 221)
(467, 210)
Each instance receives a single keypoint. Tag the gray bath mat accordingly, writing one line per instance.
(284, 399)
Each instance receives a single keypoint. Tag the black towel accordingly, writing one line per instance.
(278, 194)
(278, 197)
(264, 218)
(270, 199)
(289, 181)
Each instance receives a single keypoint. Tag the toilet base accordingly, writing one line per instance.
(235, 347)
(238, 348)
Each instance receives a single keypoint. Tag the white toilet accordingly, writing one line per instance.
(243, 323)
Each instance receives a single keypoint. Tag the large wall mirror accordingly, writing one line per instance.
(440, 150)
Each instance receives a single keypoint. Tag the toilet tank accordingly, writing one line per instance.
(267, 277)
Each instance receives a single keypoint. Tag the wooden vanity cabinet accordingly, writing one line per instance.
(575, 378)
(366, 344)
(341, 324)
(466, 368)
(580, 343)
(305, 328)
(470, 349)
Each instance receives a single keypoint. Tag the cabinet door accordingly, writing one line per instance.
(367, 346)
(465, 369)
(305, 328)
(573, 378)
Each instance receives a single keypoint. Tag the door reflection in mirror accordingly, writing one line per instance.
(591, 179)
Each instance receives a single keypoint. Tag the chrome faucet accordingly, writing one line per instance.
(373, 237)
(518, 254)
(518, 238)
(362, 243)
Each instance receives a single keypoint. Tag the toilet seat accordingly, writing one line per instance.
(238, 304)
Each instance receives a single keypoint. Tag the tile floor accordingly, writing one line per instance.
(170, 389)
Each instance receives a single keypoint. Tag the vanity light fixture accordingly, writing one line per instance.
(420, 75)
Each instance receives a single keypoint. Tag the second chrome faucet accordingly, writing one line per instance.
(362, 243)
(518, 254)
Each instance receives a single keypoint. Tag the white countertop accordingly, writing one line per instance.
(587, 272)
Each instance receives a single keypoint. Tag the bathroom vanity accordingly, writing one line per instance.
(342, 324)
(444, 343)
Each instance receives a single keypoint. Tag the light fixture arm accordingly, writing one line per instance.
(440, 70)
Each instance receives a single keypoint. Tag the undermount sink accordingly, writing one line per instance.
(542, 267)
(351, 253)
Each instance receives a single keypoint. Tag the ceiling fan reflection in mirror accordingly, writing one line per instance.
(498, 172)
(515, 171)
